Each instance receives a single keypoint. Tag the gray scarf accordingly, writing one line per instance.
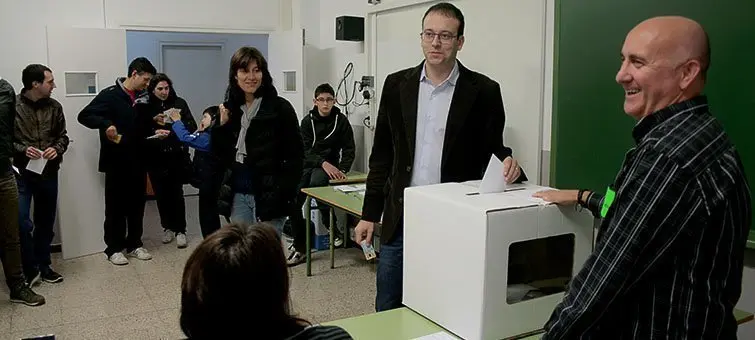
(246, 119)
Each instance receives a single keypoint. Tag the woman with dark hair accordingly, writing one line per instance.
(167, 159)
(236, 286)
(258, 141)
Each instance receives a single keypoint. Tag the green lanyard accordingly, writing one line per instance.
(607, 201)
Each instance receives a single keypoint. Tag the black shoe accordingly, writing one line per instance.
(50, 276)
(23, 294)
(33, 279)
(296, 258)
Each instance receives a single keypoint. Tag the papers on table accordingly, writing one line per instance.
(493, 180)
(351, 188)
(437, 336)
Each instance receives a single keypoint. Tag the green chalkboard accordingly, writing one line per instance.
(591, 133)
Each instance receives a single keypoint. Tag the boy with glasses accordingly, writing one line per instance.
(328, 154)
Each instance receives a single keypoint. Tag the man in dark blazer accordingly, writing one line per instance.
(437, 122)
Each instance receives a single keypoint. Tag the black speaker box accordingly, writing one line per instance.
(350, 28)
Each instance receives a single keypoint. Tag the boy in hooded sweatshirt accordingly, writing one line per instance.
(328, 154)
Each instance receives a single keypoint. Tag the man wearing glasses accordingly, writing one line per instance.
(437, 122)
(328, 154)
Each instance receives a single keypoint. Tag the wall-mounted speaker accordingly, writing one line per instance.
(350, 28)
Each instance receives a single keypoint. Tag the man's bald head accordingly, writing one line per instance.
(665, 60)
(679, 39)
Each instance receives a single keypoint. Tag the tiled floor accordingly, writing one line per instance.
(141, 300)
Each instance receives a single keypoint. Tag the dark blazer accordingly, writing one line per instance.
(474, 131)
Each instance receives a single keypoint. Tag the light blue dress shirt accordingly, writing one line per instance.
(433, 105)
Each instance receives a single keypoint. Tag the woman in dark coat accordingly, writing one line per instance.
(167, 159)
(259, 142)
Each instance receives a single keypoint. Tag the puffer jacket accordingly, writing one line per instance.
(40, 124)
(7, 114)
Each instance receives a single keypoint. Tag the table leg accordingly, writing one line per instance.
(308, 225)
(332, 240)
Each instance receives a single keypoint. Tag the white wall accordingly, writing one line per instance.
(23, 25)
(326, 59)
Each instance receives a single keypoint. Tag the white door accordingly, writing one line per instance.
(286, 64)
(82, 193)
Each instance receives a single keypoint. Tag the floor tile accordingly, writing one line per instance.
(25, 317)
(98, 300)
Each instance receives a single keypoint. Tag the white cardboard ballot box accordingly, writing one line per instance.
(489, 266)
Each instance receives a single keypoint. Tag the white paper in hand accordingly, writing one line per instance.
(493, 180)
(37, 165)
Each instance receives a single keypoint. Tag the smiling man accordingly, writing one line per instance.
(437, 122)
(669, 256)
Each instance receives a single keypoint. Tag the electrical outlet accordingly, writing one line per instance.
(368, 81)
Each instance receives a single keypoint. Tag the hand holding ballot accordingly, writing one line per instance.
(511, 170)
(33, 153)
(50, 153)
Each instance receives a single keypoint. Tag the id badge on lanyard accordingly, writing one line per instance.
(607, 201)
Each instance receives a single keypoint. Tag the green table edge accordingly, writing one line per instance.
(403, 323)
(751, 240)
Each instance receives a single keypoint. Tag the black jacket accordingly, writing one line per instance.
(167, 153)
(113, 106)
(474, 131)
(7, 118)
(274, 154)
(328, 139)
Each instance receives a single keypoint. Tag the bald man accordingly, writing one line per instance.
(669, 254)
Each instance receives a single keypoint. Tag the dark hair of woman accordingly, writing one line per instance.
(236, 285)
(160, 77)
(240, 61)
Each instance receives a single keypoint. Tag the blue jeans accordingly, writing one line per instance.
(243, 211)
(390, 273)
(36, 234)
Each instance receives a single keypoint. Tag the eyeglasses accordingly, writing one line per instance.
(429, 36)
(325, 100)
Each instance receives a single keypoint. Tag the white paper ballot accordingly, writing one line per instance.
(493, 180)
(437, 336)
(36, 165)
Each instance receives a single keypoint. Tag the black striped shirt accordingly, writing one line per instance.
(669, 255)
(318, 332)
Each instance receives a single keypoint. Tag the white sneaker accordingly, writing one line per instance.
(141, 253)
(181, 240)
(118, 259)
(167, 236)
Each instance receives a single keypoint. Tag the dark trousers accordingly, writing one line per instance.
(37, 234)
(310, 178)
(208, 181)
(10, 245)
(390, 273)
(169, 193)
(124, 210)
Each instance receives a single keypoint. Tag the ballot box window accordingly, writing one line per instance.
(539, 267)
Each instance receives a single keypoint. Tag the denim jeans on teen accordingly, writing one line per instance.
(36, 233)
